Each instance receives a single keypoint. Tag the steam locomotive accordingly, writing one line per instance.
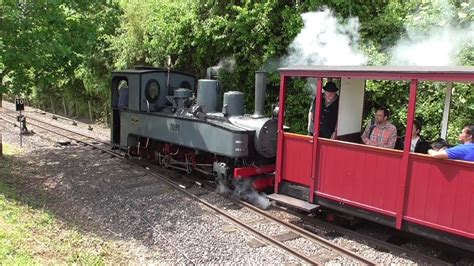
(163, 116)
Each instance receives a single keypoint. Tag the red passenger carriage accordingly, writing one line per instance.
(408, 191)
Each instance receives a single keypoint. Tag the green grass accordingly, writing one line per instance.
(30, 235)
(10, 149)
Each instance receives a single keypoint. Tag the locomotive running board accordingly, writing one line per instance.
(293, 202)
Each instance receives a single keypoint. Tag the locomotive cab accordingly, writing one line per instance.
(147, 91)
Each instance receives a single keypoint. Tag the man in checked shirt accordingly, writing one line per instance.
(381, 133)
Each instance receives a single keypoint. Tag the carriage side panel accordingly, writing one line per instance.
(441, 194)
(297, 158)
(358, 175)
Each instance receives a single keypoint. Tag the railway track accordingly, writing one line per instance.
(310, 223)
(248, 226)
(80, 138)
(297, 231)
(304, 228)
(63, 132)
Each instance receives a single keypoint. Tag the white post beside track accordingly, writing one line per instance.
(447, 104)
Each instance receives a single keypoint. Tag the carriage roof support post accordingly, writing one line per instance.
(281, 119)
(317, 115)
(447, 105)
(401, 201)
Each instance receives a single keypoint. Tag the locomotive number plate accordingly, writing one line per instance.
(134, 120)
(174, 126)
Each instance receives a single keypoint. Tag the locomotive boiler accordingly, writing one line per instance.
(161, 115)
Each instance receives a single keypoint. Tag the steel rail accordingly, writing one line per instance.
(58, 127)
(38, 111)
(9, 122)
(376, 242)
(310, 236)
(300, 231)
(72, 138)
(265, 238)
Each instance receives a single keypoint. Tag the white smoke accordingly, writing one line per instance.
(437, 44)
(227, 64)
(325, 41)
(222, 187)
(244, 190)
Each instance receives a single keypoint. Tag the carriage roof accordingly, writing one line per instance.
(440, 73)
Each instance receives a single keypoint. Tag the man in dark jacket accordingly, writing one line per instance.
(329, 111)
(418, 144)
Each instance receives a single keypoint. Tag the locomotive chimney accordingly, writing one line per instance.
(260, 90)
(212, 73)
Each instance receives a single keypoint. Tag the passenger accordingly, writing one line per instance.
(123, 94)
(418, 144)
(381, 133)
(329, 110)
(460, 152)
(440, 145)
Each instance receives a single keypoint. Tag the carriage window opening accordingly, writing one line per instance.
(152, 91)
(385, 112)
(429, 131)
(328, 111)
(185, 85)
(123, 94)
(300, 92)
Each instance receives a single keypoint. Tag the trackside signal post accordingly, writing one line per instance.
(20, 106)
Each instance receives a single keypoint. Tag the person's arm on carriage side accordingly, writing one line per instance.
(441, 154)
(464, 151)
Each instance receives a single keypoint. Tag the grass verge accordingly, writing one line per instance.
(31, 235)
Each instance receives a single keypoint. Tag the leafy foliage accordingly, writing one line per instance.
(56, 49)
(66, 49)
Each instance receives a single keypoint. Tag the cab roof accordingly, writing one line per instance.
(147, 69)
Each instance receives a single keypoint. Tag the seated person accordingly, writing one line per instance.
(464, 151)
(440, 145)
(418, 144)
(381, 133)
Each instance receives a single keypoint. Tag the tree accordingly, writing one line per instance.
(56, 48)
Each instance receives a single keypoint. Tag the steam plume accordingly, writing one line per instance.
(325, 41)
(227, 63)
(438, 44)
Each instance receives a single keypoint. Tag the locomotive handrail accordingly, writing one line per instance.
(147, 105)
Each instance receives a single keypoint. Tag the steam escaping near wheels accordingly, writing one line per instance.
(222, 188)
(244, 190)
